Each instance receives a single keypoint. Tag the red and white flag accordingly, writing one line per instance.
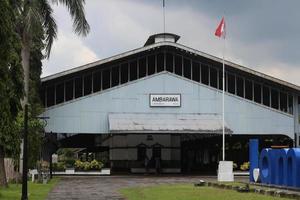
(220, 31)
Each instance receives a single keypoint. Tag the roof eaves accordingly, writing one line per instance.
(176, 45)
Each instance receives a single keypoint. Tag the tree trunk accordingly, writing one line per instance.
(3, 181)
(25, 54)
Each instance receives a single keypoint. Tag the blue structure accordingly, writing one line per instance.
(253, 156)
(164, 100)
(293, 167)
(265, 166)
(280, 167)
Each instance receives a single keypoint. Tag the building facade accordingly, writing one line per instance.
(163, 103)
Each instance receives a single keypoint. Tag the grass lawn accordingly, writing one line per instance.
(189, 192)
(36, 191)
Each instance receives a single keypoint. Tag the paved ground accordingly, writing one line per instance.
(106, 188)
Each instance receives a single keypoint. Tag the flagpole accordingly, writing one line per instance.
(223, 100)
(164, 16)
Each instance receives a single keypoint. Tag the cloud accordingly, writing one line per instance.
(260, 36)
(67, 52)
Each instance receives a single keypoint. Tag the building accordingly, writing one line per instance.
(163, 101)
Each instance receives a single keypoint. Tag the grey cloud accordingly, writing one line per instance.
(261, 34)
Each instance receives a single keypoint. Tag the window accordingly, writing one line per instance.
(97, 81)
(221, 80)
(43, 97)
(124, 73)
(248, 90)
(142, 67)
(156, 152)
(213, 77)
(141, 152)
(257, 93)
(298, 107)
(178, 65)
(240, 86)
(115, 75)
(50, 95)
(291, 102)
(169, 62)
(266, 96)
(204, 74)
(283, 102)
(160, 62)
(231, 83)
(196, 71)
(69, 90)
(78, 87)
(274, 99)
(59, 93)
(106, 79)
(133, 70)
(187, 68)
(151, 64)
(87, 84)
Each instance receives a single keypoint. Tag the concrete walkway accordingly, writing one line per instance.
(106, 188)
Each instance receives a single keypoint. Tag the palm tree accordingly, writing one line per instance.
(36, 16)
(35, 21)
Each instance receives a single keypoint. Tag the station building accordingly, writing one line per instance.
(164, 100)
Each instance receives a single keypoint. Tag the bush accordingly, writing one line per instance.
(86, 166)
(245, 166)
(79, 165)
(60, 166)
(70, 163)
(95, 165)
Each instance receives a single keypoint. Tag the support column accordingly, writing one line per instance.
(253, 157)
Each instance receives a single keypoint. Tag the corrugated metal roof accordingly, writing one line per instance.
(176, 45)
(166, 123)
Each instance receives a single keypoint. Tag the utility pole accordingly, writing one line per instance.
(25, 156)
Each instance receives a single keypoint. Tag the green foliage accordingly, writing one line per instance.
(36, 191)
(245, 166)
(86, 166)
(70, 162)
(96, 165)
(59, 166)
(11, 79)
(37, 16)
(189, 192)
(79, 165)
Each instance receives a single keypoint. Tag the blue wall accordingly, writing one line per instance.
(89, 114)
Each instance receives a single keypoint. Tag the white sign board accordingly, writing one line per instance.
(165, 100)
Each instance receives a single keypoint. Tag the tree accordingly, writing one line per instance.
(11, 84)
(35, 24)
(33, 21)
(36, 15)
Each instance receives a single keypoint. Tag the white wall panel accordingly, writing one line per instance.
(89, 114)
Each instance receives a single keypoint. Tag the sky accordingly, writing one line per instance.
(263, 35)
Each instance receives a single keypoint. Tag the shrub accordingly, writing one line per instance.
(86, 166)
(245, 166)
(60, 166)
(96, 165)
(79, 165)
(70, 163)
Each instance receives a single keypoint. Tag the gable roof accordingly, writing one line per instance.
(175, 45)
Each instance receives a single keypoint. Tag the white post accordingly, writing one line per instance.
(225, 169)
(164, 16)
(223, 104)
